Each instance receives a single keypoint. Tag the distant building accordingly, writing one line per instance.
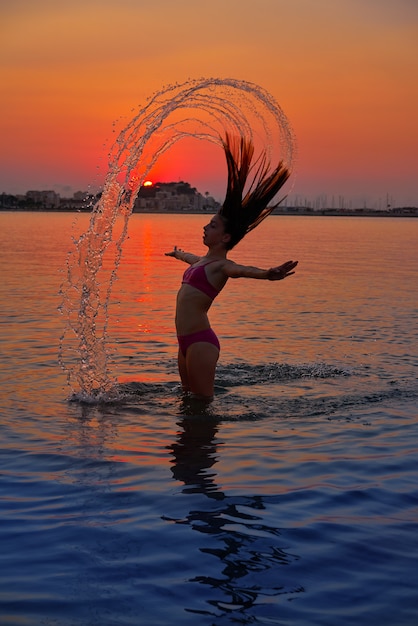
(43, 199)
(405, 210)
(81, 196)
(80, 201)
(8, 201)
(173, 197)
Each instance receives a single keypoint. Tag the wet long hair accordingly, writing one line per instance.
(240, 213)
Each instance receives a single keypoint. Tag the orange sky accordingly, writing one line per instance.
(344, 71)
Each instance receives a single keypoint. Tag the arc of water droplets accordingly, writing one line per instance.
(204, 109)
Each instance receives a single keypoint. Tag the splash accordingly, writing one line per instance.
(203, 109)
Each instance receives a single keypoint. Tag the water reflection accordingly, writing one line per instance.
(249, 550)
(194, 453)
(90, 432)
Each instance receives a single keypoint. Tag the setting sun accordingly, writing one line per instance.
(147, 183)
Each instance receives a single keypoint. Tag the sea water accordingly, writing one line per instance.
(292, 500)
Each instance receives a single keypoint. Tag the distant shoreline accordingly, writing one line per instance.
(289, 212)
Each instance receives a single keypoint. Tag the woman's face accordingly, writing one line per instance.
(214, 232)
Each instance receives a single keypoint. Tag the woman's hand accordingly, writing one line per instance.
(281, 271)
(173, 252)
(181, 255)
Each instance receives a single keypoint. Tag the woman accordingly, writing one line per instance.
(206, 277)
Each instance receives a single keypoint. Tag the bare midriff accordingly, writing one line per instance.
(192, 310)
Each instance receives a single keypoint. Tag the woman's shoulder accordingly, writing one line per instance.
(219, 266)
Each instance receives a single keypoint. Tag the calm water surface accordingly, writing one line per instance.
(293, 501)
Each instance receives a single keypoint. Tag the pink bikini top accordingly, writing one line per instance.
(196, 277)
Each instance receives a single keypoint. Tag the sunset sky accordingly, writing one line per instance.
(344, 71)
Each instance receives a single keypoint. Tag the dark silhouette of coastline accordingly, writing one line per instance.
(177, 198)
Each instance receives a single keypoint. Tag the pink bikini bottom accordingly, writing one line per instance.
(207, 336)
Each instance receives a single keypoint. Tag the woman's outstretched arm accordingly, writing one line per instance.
(233, 270)
(187, 257)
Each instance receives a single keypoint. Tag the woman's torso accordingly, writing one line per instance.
(201, 284)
